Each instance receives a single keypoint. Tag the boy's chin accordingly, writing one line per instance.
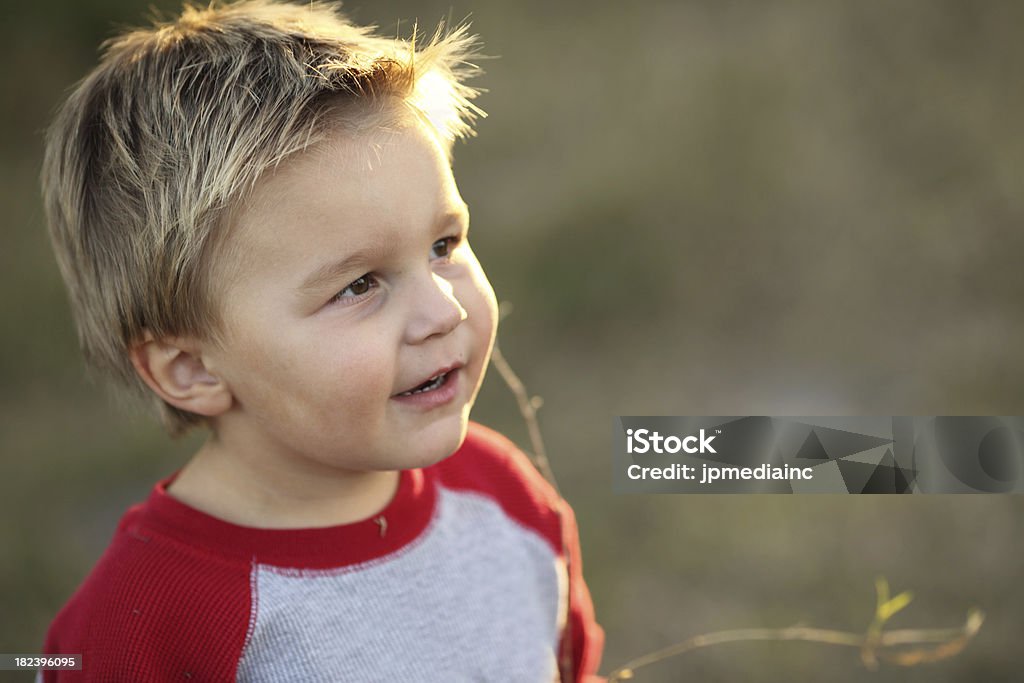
(441, 446)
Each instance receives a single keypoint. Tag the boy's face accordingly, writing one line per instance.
(356, 285)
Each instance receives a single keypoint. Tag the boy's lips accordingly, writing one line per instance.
(424, 384)
(441, 389)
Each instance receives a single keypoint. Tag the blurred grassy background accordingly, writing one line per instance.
(695, 208)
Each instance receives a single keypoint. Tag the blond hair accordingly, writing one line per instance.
(150, 152)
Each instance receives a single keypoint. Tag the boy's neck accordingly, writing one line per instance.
(242, 493)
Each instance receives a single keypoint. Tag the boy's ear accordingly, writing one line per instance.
(174, 369)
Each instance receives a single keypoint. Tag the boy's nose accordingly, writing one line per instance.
(436, 311)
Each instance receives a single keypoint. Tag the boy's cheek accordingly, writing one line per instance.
(486, 307)
(492, 303)
(483, 286)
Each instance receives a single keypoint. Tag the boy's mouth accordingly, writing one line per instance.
(436, 381)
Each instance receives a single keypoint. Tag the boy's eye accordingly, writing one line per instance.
(356, 288)
(444, 247)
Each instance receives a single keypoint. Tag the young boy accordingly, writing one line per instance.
(254, 211)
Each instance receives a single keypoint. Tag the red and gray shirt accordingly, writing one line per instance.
(472, 572)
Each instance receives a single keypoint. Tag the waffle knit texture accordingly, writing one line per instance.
(471, 573)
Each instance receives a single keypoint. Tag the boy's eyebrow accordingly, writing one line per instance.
(330, 272)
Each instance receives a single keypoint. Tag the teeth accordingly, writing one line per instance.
(434, 384)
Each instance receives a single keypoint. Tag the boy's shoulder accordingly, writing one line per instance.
(152, 606)
(490, 465)
(486, 453)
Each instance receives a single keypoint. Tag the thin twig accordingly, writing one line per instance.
(956, 636)
(528, 408)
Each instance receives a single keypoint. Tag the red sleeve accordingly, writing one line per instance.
(152, 610)
(583, 638)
